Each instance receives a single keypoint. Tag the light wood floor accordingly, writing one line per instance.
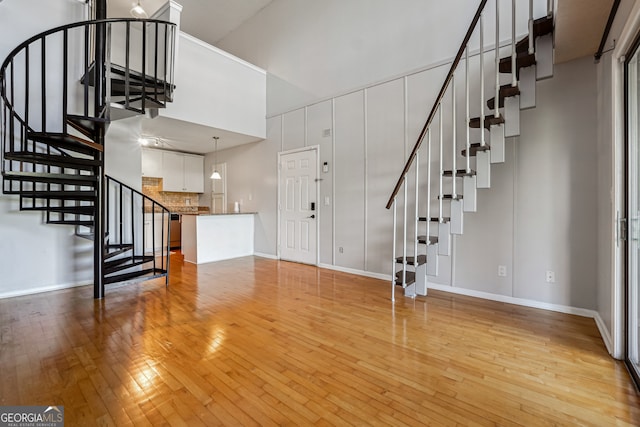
(259, 342)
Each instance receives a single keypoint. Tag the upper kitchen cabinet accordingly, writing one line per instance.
(151, 163)
(182, 172)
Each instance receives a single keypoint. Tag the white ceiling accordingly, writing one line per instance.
(208, 20)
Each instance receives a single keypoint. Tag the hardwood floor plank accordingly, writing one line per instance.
(252, 341)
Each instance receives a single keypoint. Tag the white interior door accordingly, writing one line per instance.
(219, 190)
(298, 206)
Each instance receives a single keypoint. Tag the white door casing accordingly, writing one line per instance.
(298, 212)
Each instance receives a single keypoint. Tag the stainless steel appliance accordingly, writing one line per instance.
(176, 231)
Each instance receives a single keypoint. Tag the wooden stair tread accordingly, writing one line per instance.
(450, 197)
(434, 219)
(506, 91)
(410, 278)
(489, 120)
(523, 60)
(423, 240)
(422, 259)
(459, 173)
(541, 27)
(475, 148)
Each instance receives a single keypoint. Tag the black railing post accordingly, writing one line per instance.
(100, 101)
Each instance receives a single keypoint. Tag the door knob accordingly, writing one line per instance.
(312, 216)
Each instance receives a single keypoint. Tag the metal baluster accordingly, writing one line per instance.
(65, 72)
(440, 216)
(127, 86)
(482, 136)
(43, 58)
(144, 65)
(120, 215)
(496, 113)
(531, 41)
(404, 238)
(468, 113)
(393, 269)
(454, 134)
(417, 220)
(86, 71)
(155, 66)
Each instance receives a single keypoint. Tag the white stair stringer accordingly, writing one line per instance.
(527, 86)
(544, 57)
(512, 116)
(470, 191)
(421, 279)
(432, 260)
(457, 217)
(483, 166)
(497, 143)
(410, 290)
(444, 239)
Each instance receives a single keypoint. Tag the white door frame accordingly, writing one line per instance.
(315, 148)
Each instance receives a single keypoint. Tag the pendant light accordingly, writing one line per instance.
(216, 174)
(138, 12)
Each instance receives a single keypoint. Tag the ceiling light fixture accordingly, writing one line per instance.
(138, 12)
(216, 174)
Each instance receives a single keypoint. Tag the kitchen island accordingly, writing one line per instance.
(215, 237)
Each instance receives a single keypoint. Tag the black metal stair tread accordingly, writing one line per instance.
(72, 222)
(71, 210)
(66, 142)
(111, 267)
(87, 125)
(475, 148)
(450, 197)
(119, 70)
(523, 60)
(60, 195)
(541, 27)
(506, 91)
(423, 240)
(434, 219)
(88, 236)
(149, 102)
(112, 251)
(50, 178)
(69, 162)
(489, 121)
(459, 173)
(410, 278)
(142, 274)
(422, 259)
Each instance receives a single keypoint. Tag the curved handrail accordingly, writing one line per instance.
(110, 178)
(434, 110)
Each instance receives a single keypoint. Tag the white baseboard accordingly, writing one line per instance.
(357, 272)
(604, 333)
(31, 291)
(516, 301)
(263, 255)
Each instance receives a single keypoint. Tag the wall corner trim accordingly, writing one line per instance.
(606, 336)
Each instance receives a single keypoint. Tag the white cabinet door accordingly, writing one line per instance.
(152, 163)
(193, 174)
(173, 171)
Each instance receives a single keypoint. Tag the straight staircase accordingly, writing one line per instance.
(59, 93)
(429, 205)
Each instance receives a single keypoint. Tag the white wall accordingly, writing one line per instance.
(62, 259)
(317, 49)
(215, 89)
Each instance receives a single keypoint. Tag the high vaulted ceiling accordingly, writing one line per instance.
(208, 20)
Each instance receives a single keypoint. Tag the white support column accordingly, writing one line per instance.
(467, 112)
(482, 135)
(496, 112)
(404, 236)
(514, 54)
(417, 213)
(432, 250)
(444, 235)
(453, 135)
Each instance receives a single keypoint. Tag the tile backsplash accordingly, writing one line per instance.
(176, 202)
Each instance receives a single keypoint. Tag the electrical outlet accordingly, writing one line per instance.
(502, 271)
(341, 249)
(550, 276)
(326, 201)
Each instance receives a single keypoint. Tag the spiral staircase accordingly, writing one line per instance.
(59, 92)
(475, 113)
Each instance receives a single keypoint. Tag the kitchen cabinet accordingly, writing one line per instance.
(182, 172)
(152, 163)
